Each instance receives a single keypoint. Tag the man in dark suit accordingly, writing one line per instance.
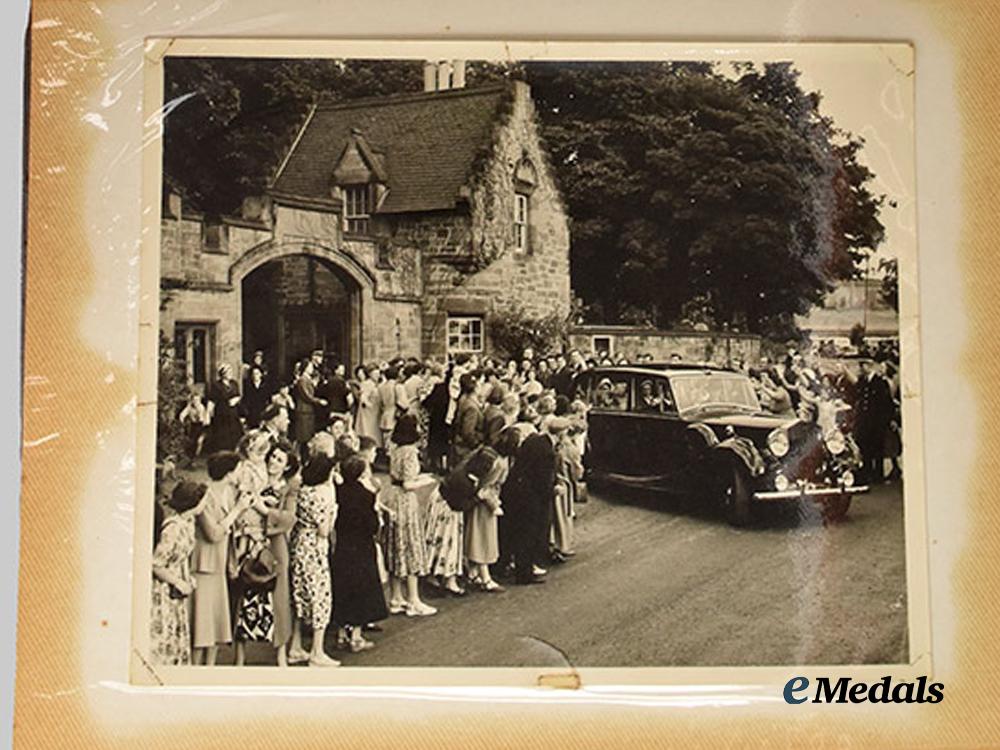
(562, 379)
(875, 410)
(528, 504)
(338, 394)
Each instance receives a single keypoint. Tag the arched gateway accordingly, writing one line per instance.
(295, 297)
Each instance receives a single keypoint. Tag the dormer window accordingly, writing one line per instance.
(358, 202)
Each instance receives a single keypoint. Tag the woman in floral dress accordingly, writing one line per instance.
(405, 550)
(316, 513)
(170, 629)
(444, 535)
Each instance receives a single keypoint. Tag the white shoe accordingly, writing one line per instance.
(538, 571)
(420, 610)
(297, 657)
(397, 607)
(323, 661)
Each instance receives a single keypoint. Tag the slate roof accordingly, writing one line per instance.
(428, 141)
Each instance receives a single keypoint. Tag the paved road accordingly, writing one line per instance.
(657, 585)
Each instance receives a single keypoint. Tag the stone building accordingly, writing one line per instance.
(395, 226)
(857, 302)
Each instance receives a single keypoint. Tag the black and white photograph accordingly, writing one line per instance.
(501, 362)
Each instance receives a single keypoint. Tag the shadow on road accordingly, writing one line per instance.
(772, 515)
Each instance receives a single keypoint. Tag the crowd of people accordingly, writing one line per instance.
(480, 466)
(859, 396)
(333, 503)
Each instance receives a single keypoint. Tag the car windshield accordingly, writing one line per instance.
(715, 392)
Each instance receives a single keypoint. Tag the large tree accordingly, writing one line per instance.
(688, 187)
(684, 183)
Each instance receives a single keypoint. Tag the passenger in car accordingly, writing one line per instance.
(649, 401)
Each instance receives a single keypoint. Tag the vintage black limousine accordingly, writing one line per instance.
(700, 431)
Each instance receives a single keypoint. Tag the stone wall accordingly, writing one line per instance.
(537, 280)
(693, 346)
(183, 256)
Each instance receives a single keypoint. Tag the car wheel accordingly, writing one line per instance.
(835, 508)
(736, 498)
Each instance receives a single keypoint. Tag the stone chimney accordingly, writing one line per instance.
(458, 74)
(442, 75)
(430, 76)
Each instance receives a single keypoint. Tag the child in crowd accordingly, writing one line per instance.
(194, 417)
(284, 398)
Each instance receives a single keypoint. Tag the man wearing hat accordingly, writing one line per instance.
(875, 411)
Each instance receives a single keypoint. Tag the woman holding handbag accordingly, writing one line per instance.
(254, 613)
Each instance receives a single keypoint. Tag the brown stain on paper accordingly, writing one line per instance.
(68, 398)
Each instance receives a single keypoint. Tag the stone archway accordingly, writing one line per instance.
(296, 296)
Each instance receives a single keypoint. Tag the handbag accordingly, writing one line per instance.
(259, 569)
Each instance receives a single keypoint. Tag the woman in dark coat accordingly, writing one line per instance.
(358, 598)
(224, 428)
(256, 397)
(468, 419)
(436, 406)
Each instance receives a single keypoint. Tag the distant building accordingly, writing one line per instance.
(394, 227)
(719, 347)
(850, 304)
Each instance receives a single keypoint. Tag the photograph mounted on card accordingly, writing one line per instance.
(504, 363)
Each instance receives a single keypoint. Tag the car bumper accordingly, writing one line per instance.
(797, 493)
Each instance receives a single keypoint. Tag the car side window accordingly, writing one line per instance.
(612, 392)
(652, 396)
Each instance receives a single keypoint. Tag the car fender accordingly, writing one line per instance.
(745, 451)
(702, 434)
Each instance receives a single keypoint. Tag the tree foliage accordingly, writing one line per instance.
(171, 395)
(231, 120)
(685, 184)
(512, 329)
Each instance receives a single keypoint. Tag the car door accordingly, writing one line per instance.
(660, 433)
(611, 430)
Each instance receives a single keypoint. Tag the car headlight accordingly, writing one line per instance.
(777, 442)
(781, 482)
(836, 443)
(847, 478)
